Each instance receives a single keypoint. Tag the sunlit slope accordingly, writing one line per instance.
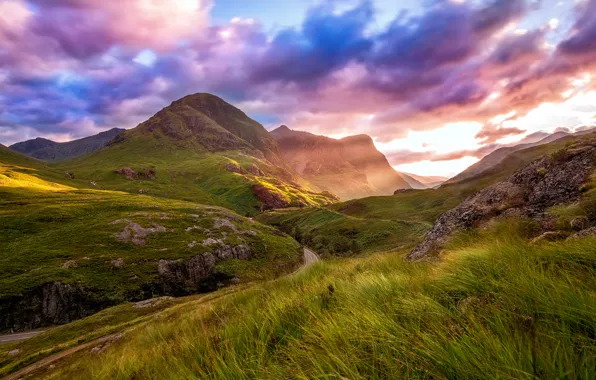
(199, 149)
(499, 307)
(427, 205)
(97, 248)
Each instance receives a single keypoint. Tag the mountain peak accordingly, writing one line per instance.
(281, 130)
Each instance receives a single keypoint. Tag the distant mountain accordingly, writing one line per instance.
(423, 182)
(351, 167)
(203, 149)
(48, 150)
(498, 155)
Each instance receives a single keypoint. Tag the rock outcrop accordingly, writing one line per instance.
(554, 179)
(53, 303)
(269, 198)
(197, 274)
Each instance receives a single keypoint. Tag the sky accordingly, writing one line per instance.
(438, 84)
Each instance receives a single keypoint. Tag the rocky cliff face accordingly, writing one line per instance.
(351, 167)
(57, 303)
(553, 179)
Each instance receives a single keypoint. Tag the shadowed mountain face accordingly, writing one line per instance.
(208, 122)
(48, 150)
(422, 182)
(203, 149)
(351, 167)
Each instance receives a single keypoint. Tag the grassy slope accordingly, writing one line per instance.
(389, 222)
(330, 232)
(496, 307)
(187, 172)
(55, 232)
(427, 205)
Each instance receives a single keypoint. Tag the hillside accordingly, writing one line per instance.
(48, 150)
(427, 182)
(518, 290)
(350, 167)
(199, 149)
(498, 155)
(68, 252)
(418, 209)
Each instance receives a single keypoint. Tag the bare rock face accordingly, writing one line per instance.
(183, 277)
(254, 170)
(548, 181)
(128, 173)
(269, 198)
(131, 174)
(53, 303)
(234, 168)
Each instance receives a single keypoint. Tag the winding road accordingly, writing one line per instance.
(9, 338)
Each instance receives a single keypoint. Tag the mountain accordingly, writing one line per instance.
(350, 167)
(69, 249)
(498, 155)
(465, 309)
(48, 150)
(422, 182)
(202, 149)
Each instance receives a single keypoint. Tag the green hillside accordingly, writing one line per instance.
(97, 248)
(199, 149)
(499, 307)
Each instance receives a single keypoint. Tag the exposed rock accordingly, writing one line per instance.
(152, 302)
(143, 191)
(117, 263)
(549, 236)
(128, 173)
(135, 233)
(211, 241)
(234, 168)
(403, 191)
(105, 343)
(93, 183)
(269, 198)
(69, 175)
(529, 191)
(148, 173)
(51, 304)
(184, 277)
(70, 264)
(254, 170)
(580, 223)
(14, 352)
(584, 233)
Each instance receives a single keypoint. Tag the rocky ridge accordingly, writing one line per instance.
(554, 179)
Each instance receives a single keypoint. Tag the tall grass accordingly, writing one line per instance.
(496, 308)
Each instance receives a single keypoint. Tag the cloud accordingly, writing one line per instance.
(86, 63)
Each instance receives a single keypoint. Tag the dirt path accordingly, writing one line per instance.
(9, 338)
(310, 257)
(50, 359)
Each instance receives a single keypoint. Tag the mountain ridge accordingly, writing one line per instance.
(48, 150)
(350, 167)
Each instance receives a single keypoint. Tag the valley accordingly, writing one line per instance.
(199, 245)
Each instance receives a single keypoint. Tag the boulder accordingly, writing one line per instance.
(580, 223)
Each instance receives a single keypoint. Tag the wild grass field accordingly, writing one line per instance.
(495, 306)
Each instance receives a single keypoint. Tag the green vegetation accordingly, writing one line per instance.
(189, 175)
(109, 243)
(495, 307)
(333, 233)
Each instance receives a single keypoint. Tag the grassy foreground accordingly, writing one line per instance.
(494, 307)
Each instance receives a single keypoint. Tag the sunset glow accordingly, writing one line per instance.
(435, 94)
